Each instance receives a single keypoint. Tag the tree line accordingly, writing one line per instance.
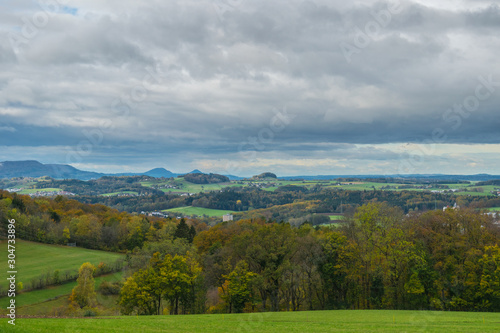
(380, 259)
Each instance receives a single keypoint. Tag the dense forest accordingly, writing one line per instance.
(381, 258)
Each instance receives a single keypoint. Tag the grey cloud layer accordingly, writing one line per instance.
(221, 75)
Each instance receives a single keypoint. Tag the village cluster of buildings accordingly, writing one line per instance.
(452, 190)
(495, 215)
(41, 193)
(159, 214)
(225, 218)
(164, 186)
(50, 193)
(455, 206)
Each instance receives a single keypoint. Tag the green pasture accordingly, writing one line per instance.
(29, 191)
(34, 259)
(118, 193)
(198, 211)
(268, 322)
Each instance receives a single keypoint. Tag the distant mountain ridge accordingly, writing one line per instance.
(156, 173)
(12, 169)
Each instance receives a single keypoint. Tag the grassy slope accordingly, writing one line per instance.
(117, 193)
(28, 191)
(317, 321)
(34, 259)
(42, 295)
(198, 211)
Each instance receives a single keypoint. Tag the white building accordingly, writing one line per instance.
(227, 217)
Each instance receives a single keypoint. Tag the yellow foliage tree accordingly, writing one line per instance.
(84, 294)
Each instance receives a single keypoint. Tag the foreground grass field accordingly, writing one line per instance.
(34, 259)
(317, 321)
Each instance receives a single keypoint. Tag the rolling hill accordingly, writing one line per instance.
(12, 169)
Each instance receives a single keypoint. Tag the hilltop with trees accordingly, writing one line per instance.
(265, 175)
(202, 178)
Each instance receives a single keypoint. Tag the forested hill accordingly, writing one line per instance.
(11, 169)
(201, 178)
(62, 220)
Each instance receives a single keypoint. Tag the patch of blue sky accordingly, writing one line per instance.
(70, 10)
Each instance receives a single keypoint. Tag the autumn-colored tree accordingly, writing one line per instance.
(372, 223)
(237, 289)
(142, 293)
(178, 276)
(66, 234)
(267, 251)
(84, 294)
(338, 267)
(304, 277)
(87, 230)
(172, 279)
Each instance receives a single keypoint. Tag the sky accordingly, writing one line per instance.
(240, 87)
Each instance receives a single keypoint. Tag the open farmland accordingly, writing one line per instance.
(198, 211)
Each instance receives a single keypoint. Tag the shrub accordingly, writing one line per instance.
(89, 312)
(108, 288)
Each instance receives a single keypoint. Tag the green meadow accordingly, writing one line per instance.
(34, 259)
(198, 211)
(119, 193)
(29, 191)
(272, 322)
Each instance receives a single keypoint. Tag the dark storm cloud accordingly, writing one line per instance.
(488, 17)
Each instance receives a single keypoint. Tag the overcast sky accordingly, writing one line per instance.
(247, 86)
